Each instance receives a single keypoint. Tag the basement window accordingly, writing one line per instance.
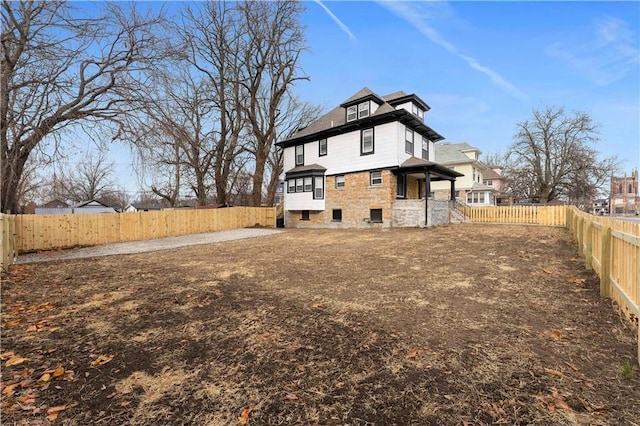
(337, 215)
(375, 215)
(304, 215)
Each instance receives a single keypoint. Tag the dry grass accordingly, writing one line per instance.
(475, 324)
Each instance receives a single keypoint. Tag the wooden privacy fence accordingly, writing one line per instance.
(539, 215)
(8, 250)
(45, 232)
(612, 249)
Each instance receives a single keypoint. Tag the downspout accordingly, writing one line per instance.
(427, 190)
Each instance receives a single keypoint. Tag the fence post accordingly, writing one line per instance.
(588, 253)
(606, 262)
(580, 235)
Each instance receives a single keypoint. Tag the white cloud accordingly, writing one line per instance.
(419, 16)
(609, 53)
(337, 20)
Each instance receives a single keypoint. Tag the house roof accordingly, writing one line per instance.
(477, 186)
(87, 203)
(418, 165)
(55, 203)
(306, 170)
(335, 121)
(453, 153)
(491, 174)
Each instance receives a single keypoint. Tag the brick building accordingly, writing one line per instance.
(624, 197)
(367, 163)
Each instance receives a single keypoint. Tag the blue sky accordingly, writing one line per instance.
(481, 66)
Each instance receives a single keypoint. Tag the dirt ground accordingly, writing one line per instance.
(464, 324)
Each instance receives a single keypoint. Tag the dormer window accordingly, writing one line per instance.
(352, 113)
(363, 110)
(417, 111)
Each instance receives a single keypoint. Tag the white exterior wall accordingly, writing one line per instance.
(343, 151)
(406, 106)
(302, 201)
(462, 182)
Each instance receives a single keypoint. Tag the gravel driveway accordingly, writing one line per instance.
(145, 246)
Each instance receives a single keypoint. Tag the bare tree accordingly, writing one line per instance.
(214, 39)
(58, 69)
(275, 41)
(92, 179)
(552, 157)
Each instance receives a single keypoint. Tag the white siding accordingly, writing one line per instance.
(302, 201)
(462, 182)
(343, 151)
(406, 106)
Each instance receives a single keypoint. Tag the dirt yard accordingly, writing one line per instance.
(465, 324)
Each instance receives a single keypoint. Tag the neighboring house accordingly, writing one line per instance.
(624, 194)
(54, 206)
(465, 159)
(367, 163)
(492, 177)
(600, 207)
(142, 207)
(92, 206)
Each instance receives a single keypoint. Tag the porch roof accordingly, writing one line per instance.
(418, 165)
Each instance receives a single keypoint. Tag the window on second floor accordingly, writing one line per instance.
(340, 181)
(322, 147)
(425, 148)
(366, 142)
(299, 155)
(408, 141)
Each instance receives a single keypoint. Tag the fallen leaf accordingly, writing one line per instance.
(577, 281)
(243, 420)
(27, 399)
(32, 328)
(9, 389)
(44, 379)
(102, 360)
(547, 271)
(16, 360)
(52, 413)
(6, 355)
(413, 354)
(291, 396)
(553, 372)
(125, 404)
(58, 372)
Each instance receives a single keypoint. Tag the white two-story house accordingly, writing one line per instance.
(367, 163)
(472, 188)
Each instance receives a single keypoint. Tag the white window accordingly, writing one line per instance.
(363, 110)
(352, 113)
(308, 184)
(322, 148)
(366, 146)
(375, 178)
(291, 185)
(417, 111)
(408, 141)
(340, 181)
(425, 148)
(299, 155)
(299, 185)
(318, 191)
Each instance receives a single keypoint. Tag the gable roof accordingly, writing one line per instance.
(335, 121)
(491, 174)
(90, 203)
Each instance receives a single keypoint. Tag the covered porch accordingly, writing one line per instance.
(415, 204)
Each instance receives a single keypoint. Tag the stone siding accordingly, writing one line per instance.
(355, 200)
(358, 197)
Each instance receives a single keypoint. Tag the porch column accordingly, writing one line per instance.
(453, 190)
(427, 190)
